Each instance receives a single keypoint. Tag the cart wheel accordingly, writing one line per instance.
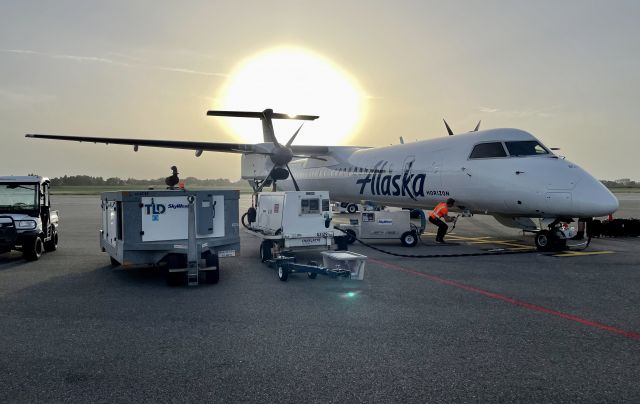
(409, 239)
(52, 245)
(212, 260)
(33, 249)
(283, 274)
(211, 277)
(543, 240)
(176, 278)
(352, 208)
(312, 275)
(351, 236)
(265, 250)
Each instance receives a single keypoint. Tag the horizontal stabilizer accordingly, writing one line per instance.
(263, 114)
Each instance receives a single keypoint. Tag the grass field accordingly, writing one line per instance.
(625, 190)
(97, 189)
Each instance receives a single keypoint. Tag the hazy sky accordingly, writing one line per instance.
(566, 71)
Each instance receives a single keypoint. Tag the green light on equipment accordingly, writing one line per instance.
(351, 294)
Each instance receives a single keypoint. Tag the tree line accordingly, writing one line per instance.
(621, 183)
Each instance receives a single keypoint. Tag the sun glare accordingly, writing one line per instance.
(294, 81)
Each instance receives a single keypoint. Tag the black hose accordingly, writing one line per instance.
(504, 252)
(242, 220)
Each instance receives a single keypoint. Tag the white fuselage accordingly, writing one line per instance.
(424, 173)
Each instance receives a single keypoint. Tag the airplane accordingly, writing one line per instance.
(506, 173)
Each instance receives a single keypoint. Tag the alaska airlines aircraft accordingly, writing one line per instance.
(507, 173)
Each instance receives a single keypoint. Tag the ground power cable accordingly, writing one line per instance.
(501, 252)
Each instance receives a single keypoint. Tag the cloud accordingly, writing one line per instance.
(114, 62)
(187, 71)
(488, 110)
(11, 99)
(522, 113)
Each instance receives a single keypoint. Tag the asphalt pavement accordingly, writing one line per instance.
(526, 327)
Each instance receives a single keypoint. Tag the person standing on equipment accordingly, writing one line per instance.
(439, 215)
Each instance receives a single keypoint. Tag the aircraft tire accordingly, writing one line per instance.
(543, 240)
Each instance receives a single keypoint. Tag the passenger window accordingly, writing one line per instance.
(526, 148)
(488, 150)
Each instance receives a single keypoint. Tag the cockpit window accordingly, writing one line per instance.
(488, 150)
(526, 148)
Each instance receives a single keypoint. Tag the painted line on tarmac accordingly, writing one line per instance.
(490, 240)
(581, 253)
(533, 307)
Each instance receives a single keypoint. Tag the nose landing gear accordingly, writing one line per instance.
(555, 238)
(550, 240)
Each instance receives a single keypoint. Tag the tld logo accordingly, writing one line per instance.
(155, 210)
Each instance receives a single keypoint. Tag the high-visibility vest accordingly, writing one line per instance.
(440, 210)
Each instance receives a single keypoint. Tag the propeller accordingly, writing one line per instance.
(281, 156)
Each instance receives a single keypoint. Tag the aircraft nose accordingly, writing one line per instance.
(594, 199)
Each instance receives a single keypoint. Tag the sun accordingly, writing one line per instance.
(294, 81)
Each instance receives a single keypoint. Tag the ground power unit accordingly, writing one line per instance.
(294, 221)
(183, 231)
(297, 218)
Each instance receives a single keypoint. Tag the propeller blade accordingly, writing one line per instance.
(294, 136)
(264, 182)
(295, 183)
(477, 126)
(448, 128)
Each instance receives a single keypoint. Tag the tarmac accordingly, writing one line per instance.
(526, 327)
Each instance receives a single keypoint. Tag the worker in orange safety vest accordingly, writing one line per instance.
(439, 215)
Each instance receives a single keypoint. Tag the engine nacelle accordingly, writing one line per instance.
(255, 166)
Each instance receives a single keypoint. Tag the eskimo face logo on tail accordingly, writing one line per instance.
(405, 184)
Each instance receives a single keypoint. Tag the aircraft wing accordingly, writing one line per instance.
(188, 145)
